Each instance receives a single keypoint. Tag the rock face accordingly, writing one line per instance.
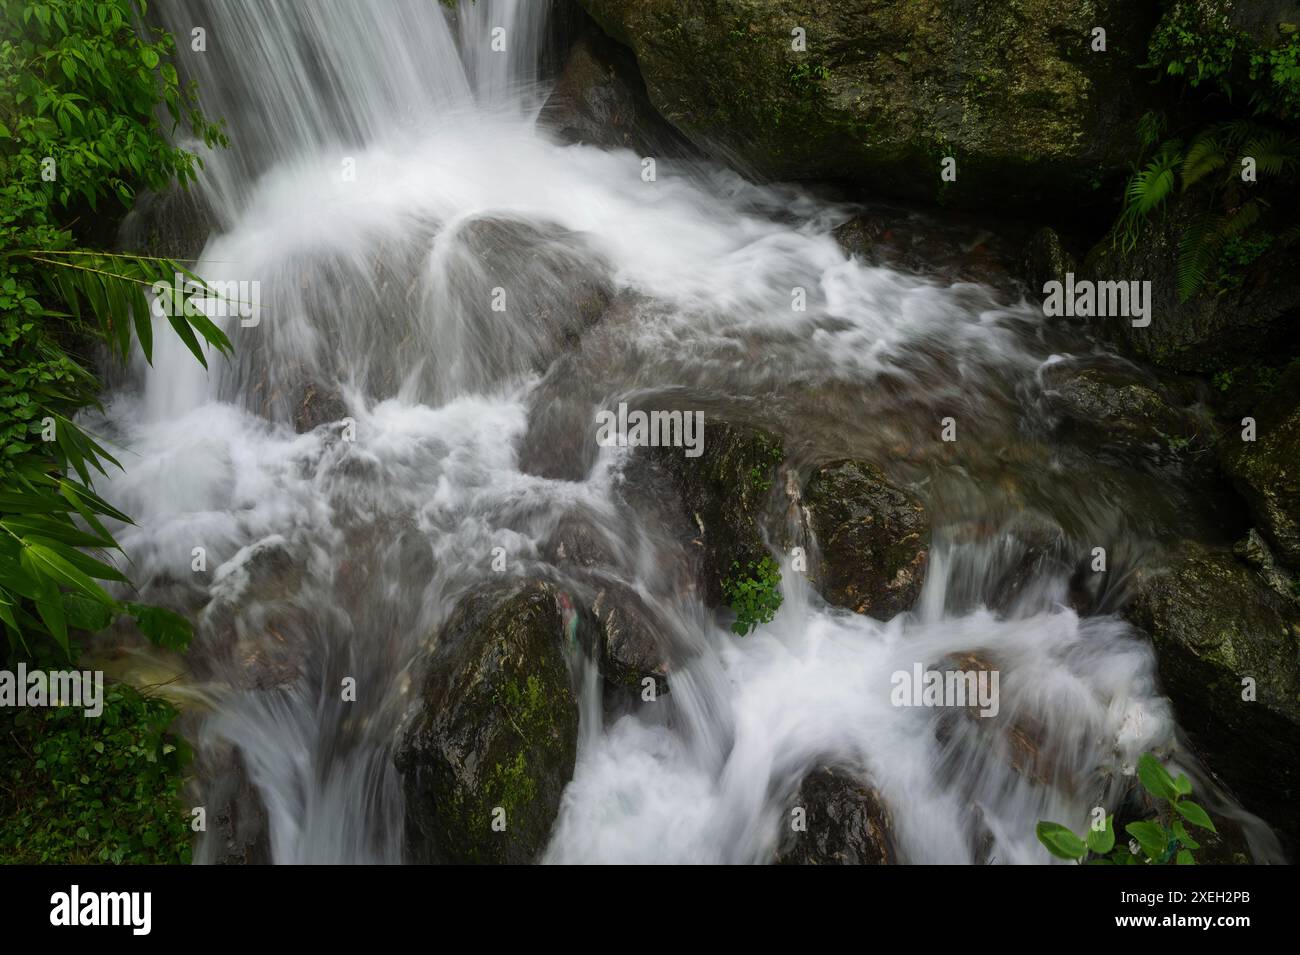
(724, 490)
(1217, 328)
(1213, 624)
(873, 538)
(1113, 404)
(885, 89)
(497, 730)
(847, 824)
(1267, 471)
(631, 646)
(600, 99)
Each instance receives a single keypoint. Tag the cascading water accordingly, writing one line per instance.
(387, 176)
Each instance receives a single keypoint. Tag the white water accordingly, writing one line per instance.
(369, 287)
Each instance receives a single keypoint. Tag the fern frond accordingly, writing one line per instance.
(1274, 152)
(1200, 242)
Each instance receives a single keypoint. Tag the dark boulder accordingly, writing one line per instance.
(725, 491)
(1215, 624)
(846, 823)
(633, 647)
(873, 539)
(495, 737)
(1267, 470)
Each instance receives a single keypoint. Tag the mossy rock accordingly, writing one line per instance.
(873, 539)
(885, 90)
(1214, 623)
(1218, 328)
(1267, 470)
(725, 491)
(496, 731)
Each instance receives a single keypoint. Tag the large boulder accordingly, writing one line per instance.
(1267, 470)
(1214, 624)
(873, 539)
(495, 738)
(886, 88)
(725, 491)
(845, 823)
(1231, 322)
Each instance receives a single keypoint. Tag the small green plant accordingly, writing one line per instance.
(1154, 842)
(85, 791)
(754, 593)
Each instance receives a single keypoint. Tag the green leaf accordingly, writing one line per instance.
(1060, 841)
(1185, 858)
(58, 568)
(1151, 837)
(165, 628)
(1155, 778)
(1102, 841)
(1195, 815)
(1183, 785)
(1180, 833)
(49, 603)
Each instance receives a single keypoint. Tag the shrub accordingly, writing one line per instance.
(754, 593)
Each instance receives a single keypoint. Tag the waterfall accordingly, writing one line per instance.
(387, 176)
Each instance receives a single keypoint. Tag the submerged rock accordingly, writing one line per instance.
(495, 737)
(238, 830)
(847, 823)
(1267, 471)
(1114, 404)
(317, 406)
(1215, 626)
(873, 538)
(883, 91)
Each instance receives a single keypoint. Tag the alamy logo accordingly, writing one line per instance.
(215, 299)
(922, 687)
(103, 908)
(1088, 299)
(83, 689)
(653, 429)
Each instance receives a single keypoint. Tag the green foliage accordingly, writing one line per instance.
(1157, 842)
(81, 87)
(1210, 165)
(78, 790)
(754, 593)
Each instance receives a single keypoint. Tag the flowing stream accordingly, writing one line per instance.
(373, 148)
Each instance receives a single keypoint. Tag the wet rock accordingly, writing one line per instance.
(549, 275)
(873, 537)
(632, 648)
(1214, 624)
(847, 823)
(1045, 259)
(578, 542)
(1115, 404)
(1267, 471)
(174, 223)
(238, 832)
(1247, 320)
(600, 99)
(884, 90)
(255, 632)
(952, 247)
(496, 730)
(725, 490)
(317, 406)
(1256, 553)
